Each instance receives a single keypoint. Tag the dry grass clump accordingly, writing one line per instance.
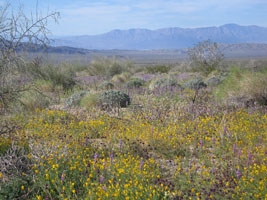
(253, 89)
(90, 100)
(243, 87)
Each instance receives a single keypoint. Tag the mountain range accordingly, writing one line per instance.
(166, 38)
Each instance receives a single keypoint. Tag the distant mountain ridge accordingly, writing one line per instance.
(242, 50)
(166, 38)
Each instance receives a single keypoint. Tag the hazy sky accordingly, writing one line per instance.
(80, 17)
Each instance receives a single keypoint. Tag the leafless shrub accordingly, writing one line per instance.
(15, 161)
(19, 32)
(205, 56)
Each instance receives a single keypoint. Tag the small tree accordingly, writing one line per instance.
(205, 56)
(18, 32)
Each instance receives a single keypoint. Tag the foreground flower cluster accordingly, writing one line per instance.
(211, 156)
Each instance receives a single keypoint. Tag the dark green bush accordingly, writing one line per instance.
(135, 83)
(195, 84)
(74, 99)
(106, 85)
(114, 98)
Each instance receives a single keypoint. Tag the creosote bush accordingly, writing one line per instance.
(214, 81)
(106, 85)
(108, 67)
(121, 78)
(195, 84)
(44, 85)
(32, 100)
(163, 83)
(157, 69)
(114, 98)
(62, 75)
(90, 100)
(75, 99)
(135, 83)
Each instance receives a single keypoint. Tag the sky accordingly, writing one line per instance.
(90, 17)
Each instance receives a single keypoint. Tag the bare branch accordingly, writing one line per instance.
(206, 56)
(18, 32)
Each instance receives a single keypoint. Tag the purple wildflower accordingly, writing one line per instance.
(224, 130)
(105, 163)
(62, 177)
(249, 158)
(141, 164)
(234, 148)
(111, 158)
(104, 188)
(213, 140)
(101, 179)
(201, 144)
(238, 173)
(229, 135)
(120, 143)
(95, 157)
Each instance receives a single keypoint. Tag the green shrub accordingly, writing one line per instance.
(230, 83)
(109, 67)
(61, 75)
(135, 83)
(195, 84)
(243, 87)
(214, 81)
(44, 85)
(121, 78)
(5, 144)
(32, 99)
(106, 85)
(75, 99)
(158, 69)
(115, 69)
(114, 98)
(15, 162)
(164, 83)
(89, 100)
